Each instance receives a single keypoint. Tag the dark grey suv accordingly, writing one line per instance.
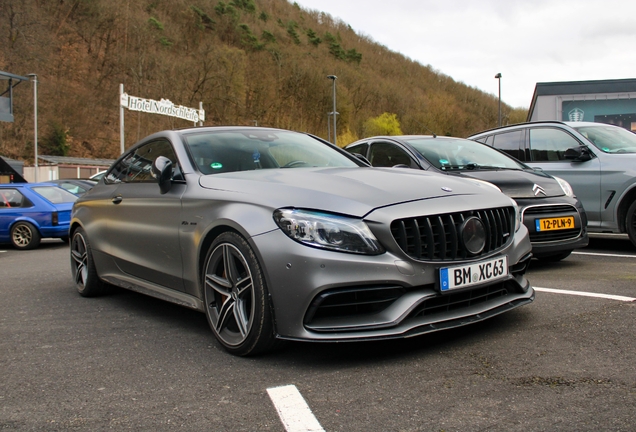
(598, 160)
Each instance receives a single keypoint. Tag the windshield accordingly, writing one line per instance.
(244, 150)
(610, 139)
(459, 154)
(55, 194)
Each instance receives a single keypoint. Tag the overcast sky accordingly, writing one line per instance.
(527, 41)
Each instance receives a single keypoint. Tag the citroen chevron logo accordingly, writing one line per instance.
(538, 190)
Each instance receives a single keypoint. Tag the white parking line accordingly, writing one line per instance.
(293, 410)
(604, 254)
(586, 294)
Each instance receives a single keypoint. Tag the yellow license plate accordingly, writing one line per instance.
(552, 224)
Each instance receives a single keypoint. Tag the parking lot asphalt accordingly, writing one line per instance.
(130, 362)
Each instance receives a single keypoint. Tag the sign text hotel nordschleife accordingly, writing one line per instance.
(164, 106)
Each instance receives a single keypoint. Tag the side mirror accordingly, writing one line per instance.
(578, 154)
(162, 170)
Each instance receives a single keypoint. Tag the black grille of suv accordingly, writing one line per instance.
(438, 237)
(538, 212)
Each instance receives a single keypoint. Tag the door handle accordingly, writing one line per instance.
(117, 199)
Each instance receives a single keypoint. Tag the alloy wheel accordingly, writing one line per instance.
(79, 258)
(22, 235)
(229, 294)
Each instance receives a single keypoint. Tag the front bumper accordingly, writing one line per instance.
(552, 242)
(398, 296)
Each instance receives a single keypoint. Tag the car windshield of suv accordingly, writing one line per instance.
(55, 194)
(459, 154)
(610, 139)
(243, 150)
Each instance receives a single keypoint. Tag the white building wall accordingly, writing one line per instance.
(545, 108)
(45, 173)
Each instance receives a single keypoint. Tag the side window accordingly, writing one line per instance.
(136, 166)
(509, 142)
(360, 149)
(549, 144)
(485, 139)
(388, 155)
(10, 198)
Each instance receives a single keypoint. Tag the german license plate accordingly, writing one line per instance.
(552, 224)
(473, 274)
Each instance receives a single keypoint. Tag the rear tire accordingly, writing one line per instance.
(236, 299)
(630, 223)
(554, 257)
(25, 236)
(83, 269)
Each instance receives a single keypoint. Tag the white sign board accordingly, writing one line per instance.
(164, 106)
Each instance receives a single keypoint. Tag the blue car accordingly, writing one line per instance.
(32, 211)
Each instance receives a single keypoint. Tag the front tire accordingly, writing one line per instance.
(236, 298)
(25, 236)
(83, 268)
(630, 223)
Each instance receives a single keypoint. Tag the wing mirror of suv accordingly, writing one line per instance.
(162, 170)
(579, 154)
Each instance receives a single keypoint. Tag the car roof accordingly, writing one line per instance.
(82, 180)
(542, 122)
(518, 125)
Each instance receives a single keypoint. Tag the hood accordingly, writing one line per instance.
(352, 191)
(517, 183)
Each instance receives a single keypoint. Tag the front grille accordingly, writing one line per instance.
(459, 300)
(532, 213)
(550, 209)
(438, 237)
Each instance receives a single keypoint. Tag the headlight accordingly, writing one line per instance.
(328, 231)
(567, 189)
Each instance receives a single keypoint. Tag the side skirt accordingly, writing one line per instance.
(157, 291)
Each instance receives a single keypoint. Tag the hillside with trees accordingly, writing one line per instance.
(249, 62)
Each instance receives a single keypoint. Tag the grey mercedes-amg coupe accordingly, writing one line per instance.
(275, 234)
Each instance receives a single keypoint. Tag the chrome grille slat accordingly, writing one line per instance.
(430, 245)
(441, 239)
(454, 240)
(417, 238)
(438, 237)
(497, 215)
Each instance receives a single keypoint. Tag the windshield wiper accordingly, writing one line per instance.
(473, 166)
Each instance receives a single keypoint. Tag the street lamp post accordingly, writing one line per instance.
(498, 76)
(35, 121)
(334, 113)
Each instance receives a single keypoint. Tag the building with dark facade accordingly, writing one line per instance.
(602, 101)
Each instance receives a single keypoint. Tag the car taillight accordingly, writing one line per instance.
(55, 218)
